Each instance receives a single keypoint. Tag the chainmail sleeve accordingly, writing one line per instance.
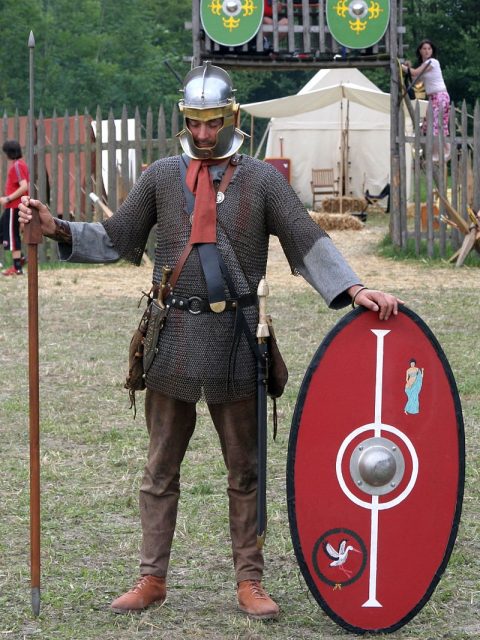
(130, 226)
(308, 248)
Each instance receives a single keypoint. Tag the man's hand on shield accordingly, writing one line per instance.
(385, 303)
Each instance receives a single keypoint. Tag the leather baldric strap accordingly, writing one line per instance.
(176, 272)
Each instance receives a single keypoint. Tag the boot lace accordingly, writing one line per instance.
(257, 590)
(141, 584)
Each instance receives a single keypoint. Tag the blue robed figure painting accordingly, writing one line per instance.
(413, 386)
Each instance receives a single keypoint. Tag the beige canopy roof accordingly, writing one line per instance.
(305, 102)
(339, 120)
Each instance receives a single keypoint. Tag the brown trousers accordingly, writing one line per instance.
(170, 424)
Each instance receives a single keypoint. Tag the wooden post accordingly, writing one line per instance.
(476, 157)
(196, 57)
(395, 177)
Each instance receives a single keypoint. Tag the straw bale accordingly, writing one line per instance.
(332, 205)
(338, 221)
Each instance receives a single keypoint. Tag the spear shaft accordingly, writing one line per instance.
(33, 237)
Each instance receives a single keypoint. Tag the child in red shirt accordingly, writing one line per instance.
(15, 187)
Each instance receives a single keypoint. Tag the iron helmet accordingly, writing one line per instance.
(208, 94)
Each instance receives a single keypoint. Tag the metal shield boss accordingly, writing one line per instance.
(375, 470)
(231, 22)
(357, 24)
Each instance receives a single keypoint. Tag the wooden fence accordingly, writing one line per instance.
(79, 155)
(438, 185)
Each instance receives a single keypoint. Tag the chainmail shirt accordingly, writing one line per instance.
(194, 350)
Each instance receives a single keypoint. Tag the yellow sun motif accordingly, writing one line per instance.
(231, 23)
(248, 8)
(216, 7)
(341, 8)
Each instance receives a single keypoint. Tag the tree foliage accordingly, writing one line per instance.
(112, 52)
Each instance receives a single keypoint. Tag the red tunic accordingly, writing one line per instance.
(17, 172)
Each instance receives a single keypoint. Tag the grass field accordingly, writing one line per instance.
(92, 457)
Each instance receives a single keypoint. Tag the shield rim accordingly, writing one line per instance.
(296, 419)
(229, 44)
(364, 46)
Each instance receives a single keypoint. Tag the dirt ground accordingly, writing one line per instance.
(359, 247)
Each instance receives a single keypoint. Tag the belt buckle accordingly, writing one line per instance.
(189, 305)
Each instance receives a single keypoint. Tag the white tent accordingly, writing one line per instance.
(131, 154)
(339, 120)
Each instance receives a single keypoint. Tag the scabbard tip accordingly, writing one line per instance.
(260, 541)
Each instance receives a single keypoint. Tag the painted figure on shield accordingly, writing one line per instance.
(413, 386)
(214, 210)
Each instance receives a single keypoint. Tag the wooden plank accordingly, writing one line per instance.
(98, 159)
(403, 183)
(112, 162)
(3, 159)
(394, 129)
(275, 25)
(441, 180)
(79, 209)
(476, 156)
(196, 24)
(65, 160)
(429, 173)
(307, 47)
(162, 133)
(54, 157)
(466, 247)
(454, 215)
(175, 145)
(322, 26)
(41, 176)
(464, 162)
(124, 174)
(87, 123)
(291, 26)
(138, 146)
(417, 178)
(149, 137)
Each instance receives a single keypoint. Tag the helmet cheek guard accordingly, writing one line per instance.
(208, 95)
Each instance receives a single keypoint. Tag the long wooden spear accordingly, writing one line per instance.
(33, 237)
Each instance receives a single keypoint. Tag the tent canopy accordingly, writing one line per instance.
(319, 98)
(340, 120)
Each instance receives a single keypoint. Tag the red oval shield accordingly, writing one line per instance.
(375, 470)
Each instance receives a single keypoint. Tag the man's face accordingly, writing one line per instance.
(204, 134)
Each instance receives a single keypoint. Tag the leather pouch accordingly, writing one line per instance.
(156, 320)
(277, 369)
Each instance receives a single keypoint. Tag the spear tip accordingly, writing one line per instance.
(31, 40)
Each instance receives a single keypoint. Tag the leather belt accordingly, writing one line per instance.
(196, 305)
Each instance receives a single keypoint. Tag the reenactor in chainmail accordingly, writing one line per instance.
(200, 354)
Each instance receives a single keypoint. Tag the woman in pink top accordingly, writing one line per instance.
(435, 87)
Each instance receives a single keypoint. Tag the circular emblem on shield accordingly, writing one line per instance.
(339, 557)
(231, 23)
(358, 24)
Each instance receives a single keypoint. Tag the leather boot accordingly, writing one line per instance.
(148, 590)
(254, 600)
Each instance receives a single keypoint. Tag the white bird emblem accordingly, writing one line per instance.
(340, 557)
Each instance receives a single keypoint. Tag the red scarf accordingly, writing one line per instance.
(199, 181)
